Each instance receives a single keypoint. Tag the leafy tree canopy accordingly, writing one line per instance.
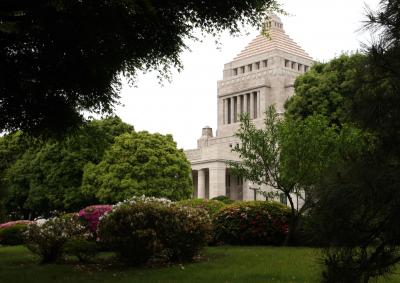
(139, 164)
(291, 155)
(60, 57)
(48, 176)
(327, 89)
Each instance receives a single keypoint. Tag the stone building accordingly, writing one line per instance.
(261, 75)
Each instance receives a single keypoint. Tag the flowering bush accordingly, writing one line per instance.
(252, 223)
(12, 223)
(148, 228)
(47, 237)
(13, 232)
(211, 206)
(92, 214)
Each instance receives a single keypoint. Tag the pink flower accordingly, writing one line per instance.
(12, 223)
(92, 214)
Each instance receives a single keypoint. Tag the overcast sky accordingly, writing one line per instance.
(323, 28)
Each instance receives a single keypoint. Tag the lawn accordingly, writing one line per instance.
(221, 264)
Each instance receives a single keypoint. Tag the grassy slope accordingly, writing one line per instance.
(224, 264)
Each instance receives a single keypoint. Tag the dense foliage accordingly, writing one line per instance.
(13, 234)
(47, 176)
(211, 206)
(144, 229)
(60, 57)
(356, 209)
(252, 223)
(139, 164)
(327, 88)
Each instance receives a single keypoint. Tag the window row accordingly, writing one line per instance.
(296, 66)
(234, 106)
(250, 67)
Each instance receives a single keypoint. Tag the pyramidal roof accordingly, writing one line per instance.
(276, 39)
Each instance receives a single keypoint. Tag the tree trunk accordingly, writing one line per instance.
(292, 223)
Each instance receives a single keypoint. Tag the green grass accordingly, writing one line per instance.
(221, 264)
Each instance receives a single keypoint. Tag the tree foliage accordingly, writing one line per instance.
(327, 89)
(48, 176)
(357, 202)
(60, 57)
(139, 164)
(289, 155)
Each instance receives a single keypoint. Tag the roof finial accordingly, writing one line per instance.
(273, 23)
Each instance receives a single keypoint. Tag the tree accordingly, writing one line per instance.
(288, 155)
(327, 89)
(139, 164)
(357, 203)
(61, 57)
(48, 177)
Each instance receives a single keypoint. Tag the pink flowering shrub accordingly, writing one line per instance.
(12, 223)
(91, 215)
(252, 223)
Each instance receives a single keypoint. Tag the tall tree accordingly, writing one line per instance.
(139, 164)
(60, 57)
(49, 176)
(288, 155)
(357, 204)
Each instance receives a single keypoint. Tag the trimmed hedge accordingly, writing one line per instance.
(252, 223)
(146, 229)
(13, 235)
(211, 206)
(224, 199)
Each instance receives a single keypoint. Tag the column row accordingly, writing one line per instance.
(236, 105)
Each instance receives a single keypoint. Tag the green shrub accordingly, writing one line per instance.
(211, 206)
(144, 229)
(224, 199)
(80, 247)
(13, 235)
(252, 223)
(47, 237)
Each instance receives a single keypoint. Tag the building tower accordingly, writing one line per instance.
(261, 75)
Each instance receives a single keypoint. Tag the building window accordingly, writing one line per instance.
(293, 65)
(235, 72)
(257, 65)
(299, 67)
(242, 70)
(287, 63)
(305, 68)
(249, 67)
(241, 104)
(265, 63)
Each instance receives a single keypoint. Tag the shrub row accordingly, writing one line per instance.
(148, 229)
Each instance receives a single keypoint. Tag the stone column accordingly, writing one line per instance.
(226, 110)
(238, 108)
(201, 184)
(245, 103)
(251, 105)
(217, 180)
(232, 110)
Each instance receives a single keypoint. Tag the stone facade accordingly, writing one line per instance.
(261, 75)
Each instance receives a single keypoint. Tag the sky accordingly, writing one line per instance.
(323, 28)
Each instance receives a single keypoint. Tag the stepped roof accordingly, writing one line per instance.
(276, 39)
